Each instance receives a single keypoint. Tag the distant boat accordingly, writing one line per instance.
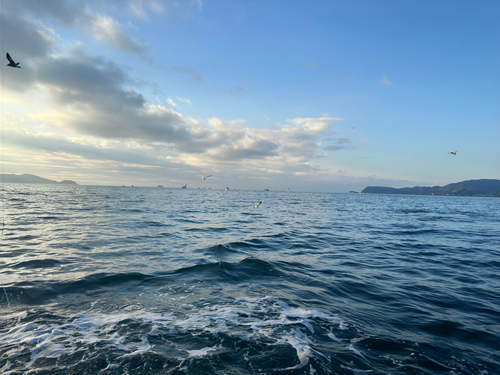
(227, 189)
(288, 190)
(159, 185)
(184, 187)
(266, 189)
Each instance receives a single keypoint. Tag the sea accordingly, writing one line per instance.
(122, 280)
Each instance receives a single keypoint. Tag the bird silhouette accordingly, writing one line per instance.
(11, 63)
(202, 177)
(453, 152)
(257, 204)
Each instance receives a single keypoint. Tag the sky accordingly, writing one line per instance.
(324, 96)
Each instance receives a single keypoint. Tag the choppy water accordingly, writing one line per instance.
(110, 280)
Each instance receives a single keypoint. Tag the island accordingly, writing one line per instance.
(31, 179)
(469, 188)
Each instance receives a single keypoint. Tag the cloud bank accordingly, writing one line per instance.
(94, 109)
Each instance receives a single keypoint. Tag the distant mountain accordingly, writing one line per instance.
(31, 179)
(470, 188)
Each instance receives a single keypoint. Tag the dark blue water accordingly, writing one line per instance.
(110, 280)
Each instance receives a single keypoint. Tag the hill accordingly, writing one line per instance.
(469, 188)
(31, 179)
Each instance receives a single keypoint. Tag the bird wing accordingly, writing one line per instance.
(200, 173)
(10, 59)
(209, 176)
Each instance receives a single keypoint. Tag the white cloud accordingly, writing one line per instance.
(314, 125)
(108, 31)
(141, 8)
(171, 102)
(138, 8)
(184, 100)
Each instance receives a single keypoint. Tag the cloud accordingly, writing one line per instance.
(92, 96)
(221, 145)
(320, 125)
(79, 16)
(93, 110)
(82, 147)
(142, 8)
(340, 144)
(106, 30)
(386, 80)
(247, 147)
(72, 12)
(184, 100)
(195, 76)
(26, 38)
(27, 42)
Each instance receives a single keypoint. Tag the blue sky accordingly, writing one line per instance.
(314, 96)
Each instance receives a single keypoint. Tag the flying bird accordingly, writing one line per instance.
(257, 204)
(453, 152)
(202, 177)
(11, 62)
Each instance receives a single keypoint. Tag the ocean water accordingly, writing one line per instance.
(115, 280)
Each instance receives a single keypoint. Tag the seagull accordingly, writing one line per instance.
(257, 204)
(352, 127)
(453, 153)
(11, 62)
(204, 178)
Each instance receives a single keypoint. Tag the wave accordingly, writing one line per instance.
(243, 335)
(39, 292)
(249, 333)
(38, 263)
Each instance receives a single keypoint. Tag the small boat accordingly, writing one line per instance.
(159, 185)
(184, 187)
(266, 189)
(227, 189)
(288, 190)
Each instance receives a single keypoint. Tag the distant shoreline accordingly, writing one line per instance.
(469, 188)
(32, 179)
